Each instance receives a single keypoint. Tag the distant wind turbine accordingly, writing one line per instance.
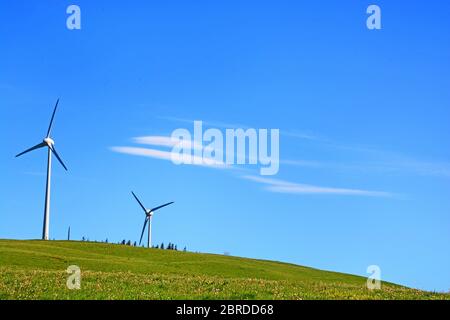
(148, 219)
(50, 144)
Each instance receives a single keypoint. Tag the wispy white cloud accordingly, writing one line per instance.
(272, 185)
(166, 141)
(170, 156)
(386, 161)
(424, 168)
(188, 146)
(387, 164)
(157, 141)
(281, 186)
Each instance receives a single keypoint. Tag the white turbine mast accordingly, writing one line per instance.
(148, 219)
(50, 144)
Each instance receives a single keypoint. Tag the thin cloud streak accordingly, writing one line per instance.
(437, 169)
(272, 185)
(420, 168)
(169, 156)
(156, 141)
(165, 141)
(393, 162)
(281, 186)
(171, 142)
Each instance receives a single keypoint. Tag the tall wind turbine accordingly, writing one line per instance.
(148, 219)
(50, 144)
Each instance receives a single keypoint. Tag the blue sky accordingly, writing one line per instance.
(357, 110)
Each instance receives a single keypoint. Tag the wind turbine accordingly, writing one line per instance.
(148, 219)
(50, 144)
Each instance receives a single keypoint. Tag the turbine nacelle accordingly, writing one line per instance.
(149, 213)
(49, 142)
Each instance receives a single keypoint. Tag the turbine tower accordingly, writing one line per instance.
(148, 219)
(50, 144)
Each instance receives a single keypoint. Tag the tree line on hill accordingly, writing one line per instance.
(170, 246)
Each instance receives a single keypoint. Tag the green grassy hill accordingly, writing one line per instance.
(37, 270)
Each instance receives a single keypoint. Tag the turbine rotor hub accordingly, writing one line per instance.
(49, 141)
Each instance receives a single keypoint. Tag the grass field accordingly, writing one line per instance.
(37, 270)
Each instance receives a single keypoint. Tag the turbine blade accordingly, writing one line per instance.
(38, 146)
(140, 203)
(164, 205)
(143, 229)
(57, 157)
(51, 121)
